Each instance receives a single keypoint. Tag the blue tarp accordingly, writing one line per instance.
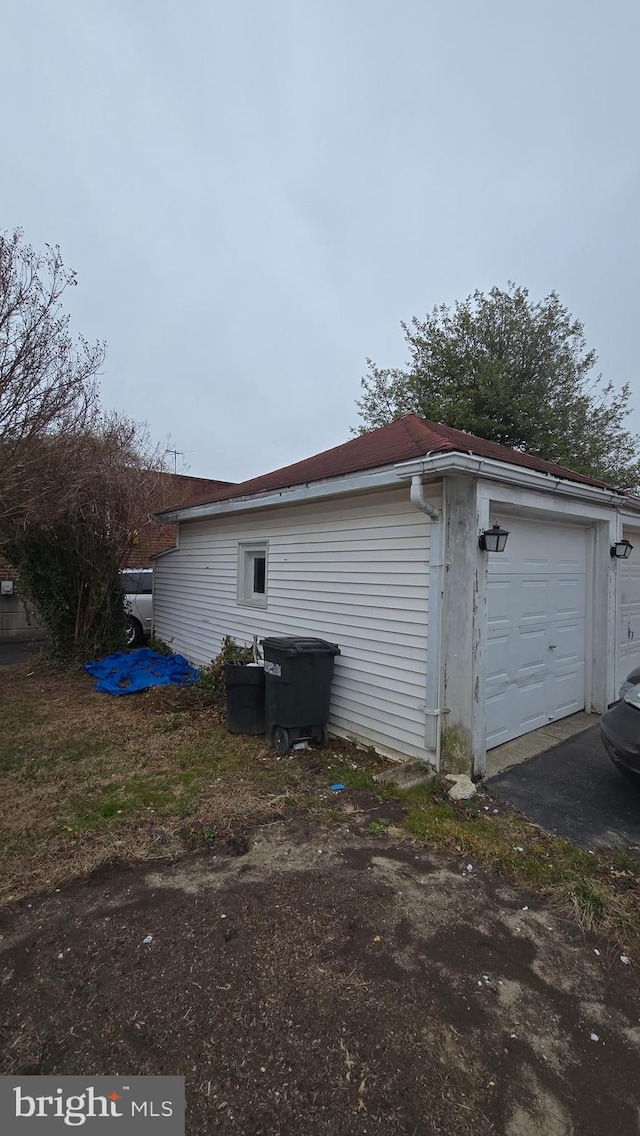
(129, 671)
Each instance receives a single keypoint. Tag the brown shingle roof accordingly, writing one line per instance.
(182, 486)
(407, 438)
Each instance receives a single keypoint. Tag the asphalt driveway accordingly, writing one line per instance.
(575, 791)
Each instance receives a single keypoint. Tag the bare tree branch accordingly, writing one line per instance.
(47, 378)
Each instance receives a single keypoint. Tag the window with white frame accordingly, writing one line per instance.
(252, 574)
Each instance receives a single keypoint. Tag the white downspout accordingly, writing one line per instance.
(433, 713)
(418, 499)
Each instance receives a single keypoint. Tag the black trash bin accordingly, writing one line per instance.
(245, 698)
(298, 674)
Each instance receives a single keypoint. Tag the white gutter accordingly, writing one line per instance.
(433, 712)
(317, 490)
(431, 466)
(436, 465)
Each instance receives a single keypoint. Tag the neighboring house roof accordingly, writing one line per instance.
(406, 439)
(182, 487)
(154, 537)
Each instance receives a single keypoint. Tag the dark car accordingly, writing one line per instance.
(620, 729)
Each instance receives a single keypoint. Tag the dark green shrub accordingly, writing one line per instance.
(70, 571)
(160, 647)
(211, 682)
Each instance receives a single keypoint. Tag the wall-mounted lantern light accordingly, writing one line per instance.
(621, 549)
(493, 539)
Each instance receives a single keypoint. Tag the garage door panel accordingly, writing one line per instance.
(528, 671)
(536, 608)
(533, 618)
(568, 645)
(496, 716)
(500, 602)
(532, 597)
(537, 602)
(530, 710)
(515, 655)
(537, 554)
(570, 597)
(566, 701)
(628, 631)
(533, 720)
(631, 632)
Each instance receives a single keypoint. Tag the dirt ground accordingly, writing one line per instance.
(325, 980)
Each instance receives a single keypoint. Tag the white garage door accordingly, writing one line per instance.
(536, 628)
(628, 653)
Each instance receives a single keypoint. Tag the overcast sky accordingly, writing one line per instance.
(255, 194)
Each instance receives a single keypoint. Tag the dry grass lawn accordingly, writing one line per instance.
(87, 779)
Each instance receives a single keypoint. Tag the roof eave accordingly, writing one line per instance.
(310, 491)
(457, 462)
(432, 466)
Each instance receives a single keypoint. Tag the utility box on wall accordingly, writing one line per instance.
(19, 620)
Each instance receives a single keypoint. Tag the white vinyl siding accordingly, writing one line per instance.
(354, 571)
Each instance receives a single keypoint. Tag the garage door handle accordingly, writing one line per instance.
(552, 646)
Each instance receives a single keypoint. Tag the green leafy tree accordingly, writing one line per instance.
(506, 368)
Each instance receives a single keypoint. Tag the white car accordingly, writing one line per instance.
(138, 603)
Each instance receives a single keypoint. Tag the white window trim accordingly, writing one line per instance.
(247, 551)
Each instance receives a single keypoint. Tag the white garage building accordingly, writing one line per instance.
(446, 650)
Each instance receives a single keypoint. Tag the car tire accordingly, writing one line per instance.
(133, 632)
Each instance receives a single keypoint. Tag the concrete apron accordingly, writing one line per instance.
(538, 741)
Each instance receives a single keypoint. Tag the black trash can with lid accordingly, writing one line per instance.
(298, 671)
(245, 698)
